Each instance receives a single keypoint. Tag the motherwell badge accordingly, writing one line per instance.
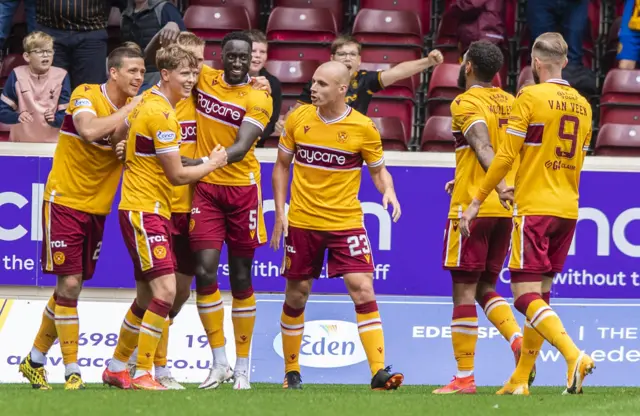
(58, 258)
(342, 137)
(192, 224)
(160, 252)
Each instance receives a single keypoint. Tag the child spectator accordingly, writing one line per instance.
(35, 96)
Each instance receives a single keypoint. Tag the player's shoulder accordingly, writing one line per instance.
(359, 121)
(87, 91)
(304, 112)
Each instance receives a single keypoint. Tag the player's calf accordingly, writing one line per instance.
(68, 327)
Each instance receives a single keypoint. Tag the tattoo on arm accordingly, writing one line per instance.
(478, 138)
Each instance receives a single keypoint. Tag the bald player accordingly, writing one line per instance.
(329, 141)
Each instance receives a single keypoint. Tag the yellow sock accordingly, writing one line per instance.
(464, 335)
(501, 316)
(68, 328)
(531, 343)
(47, 334)
(371, 334)
(544, 320)
(160, 359)
(292, 328)
(243, 315)
(150, 332)
(211, 311)
(129, 333)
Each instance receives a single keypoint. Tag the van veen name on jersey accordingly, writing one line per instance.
(223, 112)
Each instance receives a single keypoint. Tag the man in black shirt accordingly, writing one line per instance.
(364, 84)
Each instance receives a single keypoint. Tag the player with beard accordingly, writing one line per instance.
(77, 198)
(550, 128)
(479, 118)
(227, 204)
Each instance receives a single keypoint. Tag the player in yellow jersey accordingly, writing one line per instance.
(479, 122)
(329, 142)
(77, 197)
(550, 127)
(227, 204)
(153, 168)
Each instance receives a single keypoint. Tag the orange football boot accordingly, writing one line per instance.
(459, 385)
(146, 382)
(119, 379)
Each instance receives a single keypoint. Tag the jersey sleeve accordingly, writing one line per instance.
(287, 142)
(81, 101)
(259, 110)
(464, 114)
(372, 152)
(372, 81)
(165, 131)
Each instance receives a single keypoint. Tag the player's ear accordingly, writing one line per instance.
(164, 74)
(566, 61)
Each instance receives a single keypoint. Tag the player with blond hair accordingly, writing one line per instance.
(550, 128)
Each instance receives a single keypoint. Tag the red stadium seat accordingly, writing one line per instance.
(10, 62)
(297, 34)
(292, 74)
(618, 140)
(422, 8)
(404, 88)
(392, 55)
(251, 6)
(214, 63)
(402, 109)
(336, 7)
(394, 136)
(620, 100)
(213, 23)
(287, 104)
(388, 27)
(5, 129)
(437, 136)
(525, 78)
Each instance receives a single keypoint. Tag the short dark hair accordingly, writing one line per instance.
(342, 40)
(120, 53)
(238, 35)
(486, 60)
(256, 35)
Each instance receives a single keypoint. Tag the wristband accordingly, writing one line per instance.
(204, 159)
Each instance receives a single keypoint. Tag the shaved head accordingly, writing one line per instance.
(330, 84)
(336, 71)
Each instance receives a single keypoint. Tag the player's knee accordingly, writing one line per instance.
(69, 286)
(240, 283)
(297, 293)
(205, 276)
(360, 288)
(483, 288)
(464, 294)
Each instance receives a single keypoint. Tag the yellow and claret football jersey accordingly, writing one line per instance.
(84, 175)
(490, 106)
(221, 109)
(328, 156)
(550, 126)
(186, 113)
(153, 130)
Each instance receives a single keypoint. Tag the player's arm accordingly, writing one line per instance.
(280, 181)
(477, 135)
(9, 113)
(410, 68)
(373, 155)
(257, 117)
(91, 127)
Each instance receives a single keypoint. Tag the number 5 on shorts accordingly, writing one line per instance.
(358, 245)
(253, 219)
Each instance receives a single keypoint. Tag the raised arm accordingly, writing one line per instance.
(409, 68)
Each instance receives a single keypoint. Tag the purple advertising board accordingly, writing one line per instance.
(603, 261)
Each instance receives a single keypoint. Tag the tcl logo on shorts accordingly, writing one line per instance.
(310, 156)
(157, 239)
(290, 249)
(58, 244)
(195, 210)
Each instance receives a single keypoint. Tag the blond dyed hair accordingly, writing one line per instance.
(173, 56)
(189, 40)
(550, 47)
(35, 40)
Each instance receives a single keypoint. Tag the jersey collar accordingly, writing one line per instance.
(337, 119)
(559, 81)
(103, 90)
(247, 81)
(159, 93)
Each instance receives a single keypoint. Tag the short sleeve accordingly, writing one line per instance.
(287, 141)
(464, 114)
(259, 110)
(165, 131)
(305, 95)
(372, 152)
(520, 115)
(81, 101)
(372, 81)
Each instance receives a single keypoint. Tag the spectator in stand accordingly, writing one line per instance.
(35, 96)
(629, 36)
(8, 10)
(142, 21)
(478, 20)
(258, 60)
(79, 30)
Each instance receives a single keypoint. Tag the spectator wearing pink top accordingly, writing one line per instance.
(35, 96)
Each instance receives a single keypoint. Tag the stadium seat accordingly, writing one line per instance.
(388, 27)
(214, 63)
(404, 88)
(401, 109)
(437, 136)
(5, 129)
(422, 8)
(287, 104)
(113, 29)
(620, 100)
(9, 62)
(292, 74)
(300, 34)
(618, 140)
(336, 7)
(525, 78)
(212, 23)
(251, 6)
(392, 132)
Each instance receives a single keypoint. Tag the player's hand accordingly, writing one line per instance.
(135, 101)
(169, 33)
(280, 228)
(187, 161)
(434, 58)
(49, 116)
(506, 197)
(448, 187)
(261, 83)
(218, 156)
(25, 117)
(468, 216)
(389, 197)
(121, 150)
(279, 126)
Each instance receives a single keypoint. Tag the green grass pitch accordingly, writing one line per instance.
(338, 400)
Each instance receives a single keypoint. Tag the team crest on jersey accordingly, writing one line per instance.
(160, 252)
(354, 84)
(165, 136)
(82, 102)
(306, 129)
(342, 137)
(241, 94)
(58, 258)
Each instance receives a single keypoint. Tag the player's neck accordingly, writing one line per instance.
(115, 95)
(333, 110)
(547, 75)
(169, 95)
(479, 84)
